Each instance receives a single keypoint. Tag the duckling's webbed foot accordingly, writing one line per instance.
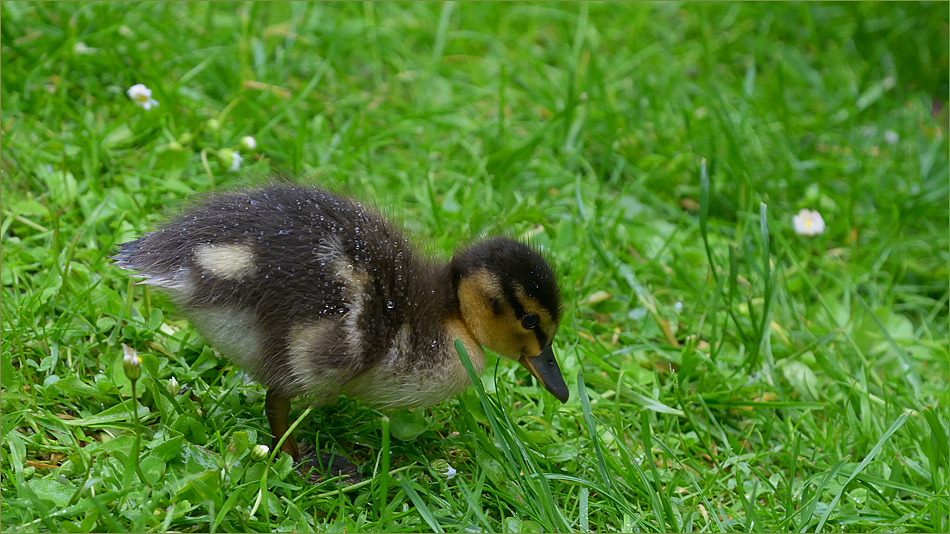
(316, 466)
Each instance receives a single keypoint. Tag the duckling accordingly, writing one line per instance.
(316, 295)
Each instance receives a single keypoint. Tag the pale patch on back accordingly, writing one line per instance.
(231, 262)
(234, 332)
(355, 284)
(306, 346)
(399, 347)
(355, 287)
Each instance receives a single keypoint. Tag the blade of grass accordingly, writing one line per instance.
(40, 507)
(689, 475)
(474, 501)
(592, 431)
(808, 511)
(864, 463)
(420, 505)
(704, 215)
(910, 374)
(583, 511)
(664, 502)
(384, 475)
(522, 466)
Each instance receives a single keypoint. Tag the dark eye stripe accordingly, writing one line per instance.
(513, 300)
(496, 307)
(515, 304)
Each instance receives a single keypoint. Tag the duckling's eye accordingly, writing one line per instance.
(529, 321)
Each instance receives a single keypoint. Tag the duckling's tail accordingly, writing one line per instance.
(126, 256)
(171, 276)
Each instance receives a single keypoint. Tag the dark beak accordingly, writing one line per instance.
(544, 367)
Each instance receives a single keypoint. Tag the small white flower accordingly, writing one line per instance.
(637, 313)
(259, 452)
(142, 96)
(443, 468)
(236, 161)
(891, 137)
(230, 159)
(131, 363)
(80, 48)
(808, 222)
(249, 142)
(172, 386)
(678, 306)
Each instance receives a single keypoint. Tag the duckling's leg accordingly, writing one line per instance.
(310, 464)
(277, 409)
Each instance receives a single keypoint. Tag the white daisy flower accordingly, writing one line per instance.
(230, 159)
(142, 96)
(80, 48)
(443, 468)
(808, 222)
(259, 452)
(891, 137)
(236, 161)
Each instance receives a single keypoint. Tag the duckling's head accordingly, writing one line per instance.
(509, 298)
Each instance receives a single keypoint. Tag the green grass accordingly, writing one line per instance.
(726, 373)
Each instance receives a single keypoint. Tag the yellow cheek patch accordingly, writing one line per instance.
(231, 262)
(531, 347)
(479, 295)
